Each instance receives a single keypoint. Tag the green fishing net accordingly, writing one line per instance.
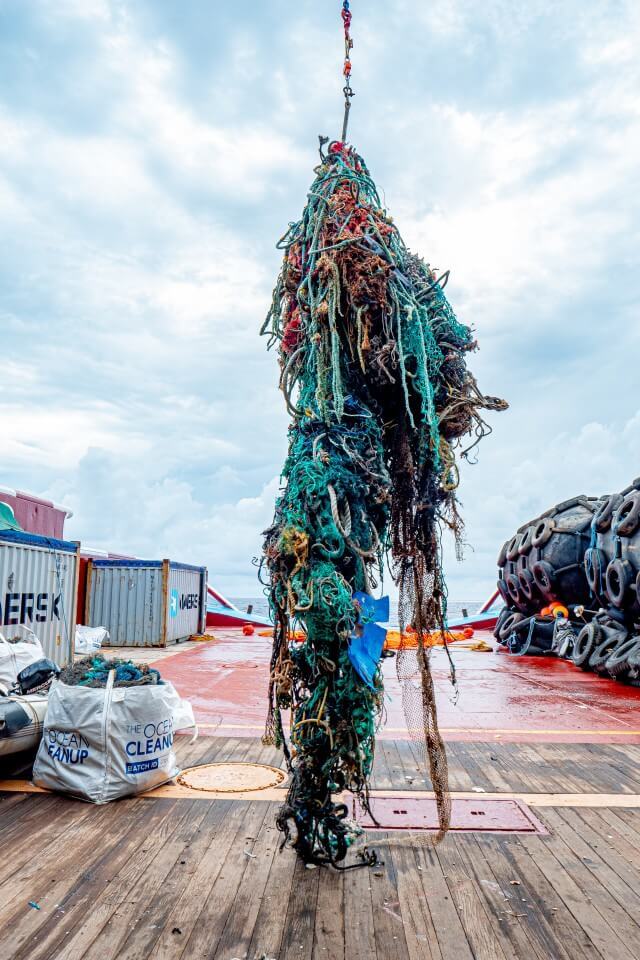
(374, 376)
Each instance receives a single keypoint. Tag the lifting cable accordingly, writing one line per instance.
(346, 70)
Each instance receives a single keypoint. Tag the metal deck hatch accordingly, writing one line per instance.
(231, 777)
(467, 815)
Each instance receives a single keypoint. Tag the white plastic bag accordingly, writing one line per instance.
(90, 639)
(101, 744)
(183, 718)
(14, 657)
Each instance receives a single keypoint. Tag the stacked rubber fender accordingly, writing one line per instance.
(612, 560)
(601, 591)
(544, 560)
(610, 643)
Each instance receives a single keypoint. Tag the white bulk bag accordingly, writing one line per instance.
(103, 743)
(14, 657)
(90, 639)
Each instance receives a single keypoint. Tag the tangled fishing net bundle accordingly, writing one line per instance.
(94, 672)
(374, 376)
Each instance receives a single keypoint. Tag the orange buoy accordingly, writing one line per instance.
(248, 630)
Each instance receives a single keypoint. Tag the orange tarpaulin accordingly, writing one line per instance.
(396, 640)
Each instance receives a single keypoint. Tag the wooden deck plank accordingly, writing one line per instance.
(219, 901)
(241, 921)
(271, 920)
(550, 768)
(482, 936)
(382, 778)
(298, 933)
(621, 881)
(504, 907)
(420, 933)
(572, 885)
(226, 834)
(506, 763)
(578, 896)
(519, 890)
(106, 903)
(140, 850)
(62, 858)
(447, 923)
(52, 880)
(459, 777)
(414, 767)
(139, 917)
(388, 925)
(621, 770)
(625, 838)
(32, 828)
(359, 931)
(329, 928)
(398, 770)
(546, 905)
(476, 759)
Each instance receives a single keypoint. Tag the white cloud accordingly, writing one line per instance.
(58, 437)
(170, 521)
(526, 218)
(141, 192)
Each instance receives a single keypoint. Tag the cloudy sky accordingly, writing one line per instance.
(153, 151)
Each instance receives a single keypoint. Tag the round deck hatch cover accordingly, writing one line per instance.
(231, 777)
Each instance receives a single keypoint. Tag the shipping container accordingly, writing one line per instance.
(38, 589)
(146, 603)
(34, 514)
(86, 554)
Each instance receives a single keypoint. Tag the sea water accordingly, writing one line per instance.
(454, 610)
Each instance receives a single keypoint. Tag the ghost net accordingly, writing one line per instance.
(374, 376)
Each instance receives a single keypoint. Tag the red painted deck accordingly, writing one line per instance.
(510, 699)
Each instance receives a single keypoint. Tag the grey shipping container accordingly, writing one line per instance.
(146, 603)
(38, 590)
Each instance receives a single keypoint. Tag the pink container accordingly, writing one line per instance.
(36, 515)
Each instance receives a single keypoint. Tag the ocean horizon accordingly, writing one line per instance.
(455, 607)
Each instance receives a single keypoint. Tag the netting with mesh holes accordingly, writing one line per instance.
(374, 376)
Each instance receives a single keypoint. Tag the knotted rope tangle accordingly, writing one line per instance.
(373, 372)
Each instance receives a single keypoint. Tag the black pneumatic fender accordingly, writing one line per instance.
(550, 549)
(626, 519)
(633, 657)
(502, 556)
(501, 587)
(533, 640)
(526, 540)
(13, 718)
(528, 585)
(619, 661)
(515, 593)
(595, 563)
(585, 643)
(542, 532)
(618, 577)
(502, 616)
(513, 546)
(544, 578)
(604, 514)
(509, 624)
(559, 541)
(607, 648)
